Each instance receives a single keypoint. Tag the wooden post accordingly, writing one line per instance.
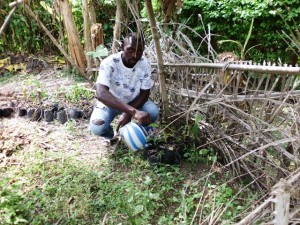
(160, 62)
(282, 194)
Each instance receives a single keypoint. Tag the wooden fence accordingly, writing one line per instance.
(238, 82)
(261, 107)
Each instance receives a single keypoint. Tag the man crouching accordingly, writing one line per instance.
(123, 88)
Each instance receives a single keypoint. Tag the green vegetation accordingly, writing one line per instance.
(230, 20)
(274, 29)
(50, 188)
(78, 92)
(34, 91)
(7, 77)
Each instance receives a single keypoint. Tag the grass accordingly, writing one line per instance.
(51, 189)
(7, 78)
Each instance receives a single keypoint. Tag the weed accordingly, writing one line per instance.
(34, 91)
(7, 77)
(205, 155)
(73, 73)
(242, 47)
(71, 126)
(77, 93)
(12, 208)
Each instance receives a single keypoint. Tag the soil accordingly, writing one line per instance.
(72, 138)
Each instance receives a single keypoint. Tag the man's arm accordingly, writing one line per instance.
(130, 109)
(140, 100)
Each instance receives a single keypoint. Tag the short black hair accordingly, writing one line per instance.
(138, 37)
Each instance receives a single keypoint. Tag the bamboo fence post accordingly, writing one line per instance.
(282, 192)
(117, 27)
(7, 19)
(28, 10)
(160, 63)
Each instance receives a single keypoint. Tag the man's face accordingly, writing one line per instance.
(133, 52)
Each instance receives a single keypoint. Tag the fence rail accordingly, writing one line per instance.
(245, 67)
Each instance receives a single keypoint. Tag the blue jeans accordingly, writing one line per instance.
(102, 117)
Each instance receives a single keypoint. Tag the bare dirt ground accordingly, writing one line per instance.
(71, 139)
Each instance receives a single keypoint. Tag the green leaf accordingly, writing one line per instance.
(154, 196)
(147, 180)
(101, 51)
(249, 34)
(138, 209)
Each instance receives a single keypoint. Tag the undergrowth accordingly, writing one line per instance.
(51, 189)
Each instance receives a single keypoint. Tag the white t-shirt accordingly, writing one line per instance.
(123, 82)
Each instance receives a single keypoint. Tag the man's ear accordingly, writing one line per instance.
(122, 46)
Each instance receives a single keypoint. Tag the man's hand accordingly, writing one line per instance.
(123, 120)
(142, 117)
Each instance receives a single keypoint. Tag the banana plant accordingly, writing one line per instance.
(242, 47)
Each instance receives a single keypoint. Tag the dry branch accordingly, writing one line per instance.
(15, 3)
(237, 98)
(87, 31)
(7, 19)
(250, 218)
(282, 192)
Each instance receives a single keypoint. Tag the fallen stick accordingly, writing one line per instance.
(28, 10)
(15, 3)
(7, 19)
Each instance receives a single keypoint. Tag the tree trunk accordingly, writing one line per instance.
(87, 32)
(92, 13)
(75, 48)
(117, 28)
(169, 11)
(160, 62)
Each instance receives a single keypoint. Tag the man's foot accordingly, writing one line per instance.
(105, 142)
(109, 142)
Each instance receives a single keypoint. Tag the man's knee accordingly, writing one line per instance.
(97, 126)
(154, 114)
(98, 122)
(153, 111)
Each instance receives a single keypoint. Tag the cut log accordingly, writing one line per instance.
(97, 35)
